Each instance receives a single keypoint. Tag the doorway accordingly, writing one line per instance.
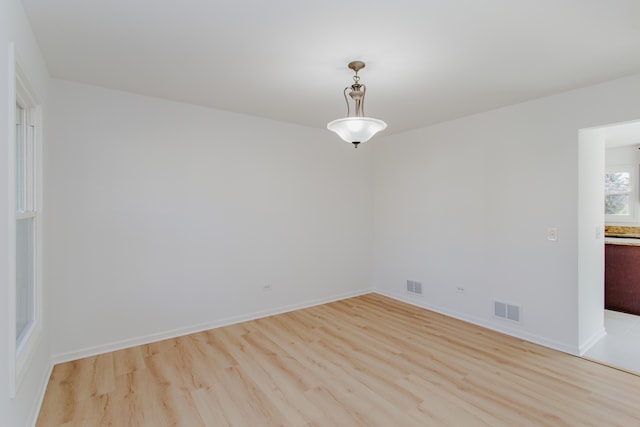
(617, 341)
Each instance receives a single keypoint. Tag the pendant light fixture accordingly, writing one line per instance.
(356, 128)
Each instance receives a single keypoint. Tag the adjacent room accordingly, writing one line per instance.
(620, 347)
(208, 223)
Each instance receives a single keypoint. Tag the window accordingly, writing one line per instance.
(25, 227)
(619, 190)
(25, 173)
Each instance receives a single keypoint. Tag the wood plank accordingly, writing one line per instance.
(364, 361)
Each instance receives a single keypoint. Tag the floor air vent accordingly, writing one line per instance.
(414, 287)
(506, 311)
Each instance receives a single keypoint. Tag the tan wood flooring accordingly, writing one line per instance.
(365, 361)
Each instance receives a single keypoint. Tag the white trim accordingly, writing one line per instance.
(507, 329)
(132, 342)
(37, 404)
(11, 234)
(30, 96)
(20, 90)
(24, 215)
(597, 336)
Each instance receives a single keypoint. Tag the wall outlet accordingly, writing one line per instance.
(266, 287)
(552, 234)
(460, 290)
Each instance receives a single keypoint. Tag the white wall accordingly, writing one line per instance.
(14, 28)
(467, 203)
(591, 144)
(164, 218)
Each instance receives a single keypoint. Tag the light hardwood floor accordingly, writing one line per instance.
(365, 361)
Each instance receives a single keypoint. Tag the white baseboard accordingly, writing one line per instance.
(37, 404)
(132, 342)
(565, 348)
(597, 336)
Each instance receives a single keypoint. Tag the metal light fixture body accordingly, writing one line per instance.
(356, 128)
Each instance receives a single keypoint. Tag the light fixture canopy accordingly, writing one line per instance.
(356, 128)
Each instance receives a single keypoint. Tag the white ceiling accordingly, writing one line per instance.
(427, 60)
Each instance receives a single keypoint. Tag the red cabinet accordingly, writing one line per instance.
(622, 278)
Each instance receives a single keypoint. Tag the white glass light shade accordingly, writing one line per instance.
(356, 129)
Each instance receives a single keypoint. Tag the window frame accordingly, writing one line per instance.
(21, 93)
(634, 199)
(26, 209)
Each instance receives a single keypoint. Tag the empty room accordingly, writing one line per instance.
(280, 213)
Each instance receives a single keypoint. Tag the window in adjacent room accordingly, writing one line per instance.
(619, 193)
